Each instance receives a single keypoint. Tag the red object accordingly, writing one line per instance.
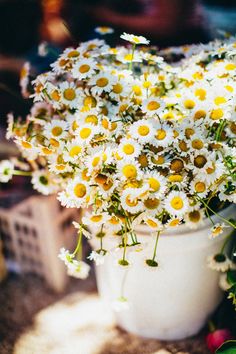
(215, 339)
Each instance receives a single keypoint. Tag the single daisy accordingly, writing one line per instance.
(176, 203)
(134, 39)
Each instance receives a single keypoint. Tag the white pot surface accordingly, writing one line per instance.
(174, 300)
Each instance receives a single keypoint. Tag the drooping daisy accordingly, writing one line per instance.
(219, 262)
(176, 203)
(78, 269)
(6, 171)
(217, 230)
(194, 218)
(142, 130)
(134, 39)
(98, 257)
(152, 106)
(84, 68)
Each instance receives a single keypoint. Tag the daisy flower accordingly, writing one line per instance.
(73, 150)
(152, 106)
(157, 183)
(129, 202)
(219, 262)
(77, 192)
(152, 205)
(57, 129)
(104, 30)
(134, 39)
(102, 82)
(193, 219)
(176, 203)
(163, 135)
(126, 56)
(85, 133)
(142, 130)
(6, 171)
(129, 148)
(78, 269)
(129, 169)
(96, 220)
(84, 68)
(200, 187)
(43, 182)
(69, 94)
(217, 230)
(153, 223)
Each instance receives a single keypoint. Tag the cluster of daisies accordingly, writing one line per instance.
(132, 139)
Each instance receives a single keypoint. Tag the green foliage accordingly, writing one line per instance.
(228, 347)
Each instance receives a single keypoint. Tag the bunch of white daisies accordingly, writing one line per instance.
(136, 140)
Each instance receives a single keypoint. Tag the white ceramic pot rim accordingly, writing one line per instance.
(184, 231)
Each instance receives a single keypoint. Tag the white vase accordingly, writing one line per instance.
(174, 300)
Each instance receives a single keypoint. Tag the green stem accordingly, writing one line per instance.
(22, 173)
(155, 248)
(131, 63)
(80, 233)
(215, 213)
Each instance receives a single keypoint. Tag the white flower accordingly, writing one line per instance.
(84, 68)
(97, 256)
(219, 262)
(101, 82)
(42, 181)
(152, 106)
(194, 218)
(78, 269)
(176, 203)
(223, 283)
(6, 170)
(121, 304)
(104, 30)
(217, 230)
(134, 39)
(142, 130)
(65, 256)
(56, 129)
(129, 148)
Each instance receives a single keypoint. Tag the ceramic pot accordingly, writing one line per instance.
(174, 300)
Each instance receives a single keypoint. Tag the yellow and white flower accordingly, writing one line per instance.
(84, 68)
(176, 203)
(153, 106)
(134, 39)
(142, 130)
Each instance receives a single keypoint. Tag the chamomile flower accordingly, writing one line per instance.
(95, 219)
(78, 269)
(43, 182)
(57, 129)
(130, 203)
(157, 183)
(98, 257)
(78, 192)
(6, 171)
(102, 82)
(199, 186)
(219, 262)
(84, 133)
(104, 30)
(217, 230)
(153, 223)
(194, 218)
(152, 205)
(134, 39)
(69, 94)
(163, 135)
(84, 68)
(127, 56)
(129, 148)
(142, 130)
(152, 106)
(73, 151)
(129, 169)
(176, 203)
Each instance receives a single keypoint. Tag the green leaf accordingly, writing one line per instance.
(231, 277)
(228, 347)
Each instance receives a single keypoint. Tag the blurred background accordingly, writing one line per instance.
(31, 276)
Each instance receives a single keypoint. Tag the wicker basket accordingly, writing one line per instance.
(32, 232)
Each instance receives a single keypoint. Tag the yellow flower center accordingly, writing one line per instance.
(200, 187)
(174, 222)
(54, 142)
(219, 100)
(153, 105)
(26, 145)
(117, 88)
(216, 114)
(129, 57)
(230, 66)
(199, 114)
(142, 159)
(143, 130)
(189, 104)
(57, 131)
(189, 132)
(151, 203)
(175, 178)
(131, 203)
(85, 133)
(129, 171)
(102, 82)
(201, 94)
(197, 144)
(55, 95)
(229, 88)
(69, 94)
(137, 90)
(154, 184)
(74, 151)
(177, 203)
(151, 223)
(200, 161)
(194, 216)
(128, 149)
(183, 146)
(46, 151)
(96, 218)
(84, 68)
(114, 221)
(92, 119)
(160, 134)
(90, 101)
(73, 54)
(96, 161)
(80, 190)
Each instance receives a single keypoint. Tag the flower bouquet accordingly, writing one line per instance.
(147, 149)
